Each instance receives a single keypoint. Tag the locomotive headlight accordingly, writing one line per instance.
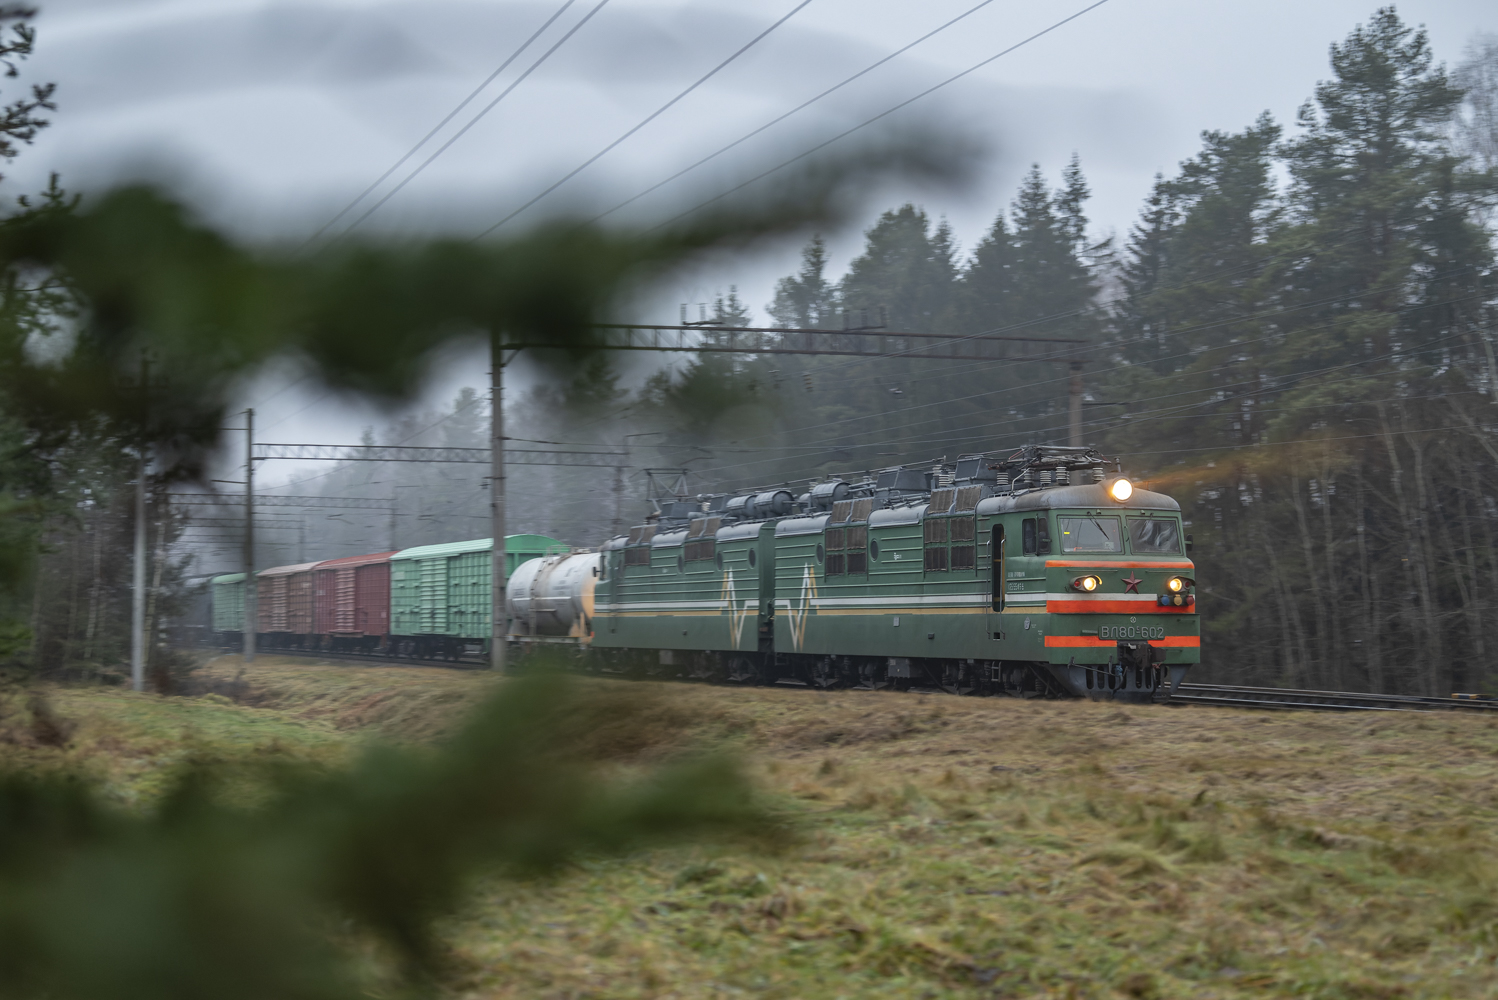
(1086, 584)
(1175, 585)
(1121, 490)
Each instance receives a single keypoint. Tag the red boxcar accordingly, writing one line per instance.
(353, 601)
(283, 604)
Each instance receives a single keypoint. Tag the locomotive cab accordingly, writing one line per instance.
(1092, 584)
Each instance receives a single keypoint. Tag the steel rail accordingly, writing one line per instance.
(1208, 695)
(1242, 696)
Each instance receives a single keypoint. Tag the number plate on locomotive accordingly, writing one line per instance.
(1130, 632)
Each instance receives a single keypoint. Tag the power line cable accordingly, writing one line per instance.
(440, 125)
(881, 115)
(475, 119)
(650, 118)
(796, 110)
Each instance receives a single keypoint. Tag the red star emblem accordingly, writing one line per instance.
(1131, 584)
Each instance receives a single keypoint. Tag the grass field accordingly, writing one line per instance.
(945, 847)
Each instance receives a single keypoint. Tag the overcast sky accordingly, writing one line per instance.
(271, 117)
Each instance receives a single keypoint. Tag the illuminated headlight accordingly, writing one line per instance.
(1121, 490)
(1086, 584)
(1175, 585)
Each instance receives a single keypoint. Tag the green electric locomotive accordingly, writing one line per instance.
(1036, 573)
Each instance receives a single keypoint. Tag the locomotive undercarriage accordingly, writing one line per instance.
(1136, 676)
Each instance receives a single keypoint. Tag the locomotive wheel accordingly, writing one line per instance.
(744, 670)
(824, 674)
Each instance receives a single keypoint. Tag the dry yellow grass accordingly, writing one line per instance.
(961, 847)
(395, 702)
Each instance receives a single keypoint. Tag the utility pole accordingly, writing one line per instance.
(497, 575)
(618, 525)
(251, 620)
(1074, 392)
(138, 598)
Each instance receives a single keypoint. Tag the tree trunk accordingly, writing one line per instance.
(158, 559)
(1464, 569)
(1434, 674)
(1406, 520)
(95, 590)
(1337, 653)
(1314, 579)
(1298, 653)
(1372, 634)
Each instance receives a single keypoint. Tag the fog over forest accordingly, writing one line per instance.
(1292, 337)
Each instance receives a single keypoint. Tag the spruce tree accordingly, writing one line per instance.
(906, 269)
(730, 311)
(807, 300)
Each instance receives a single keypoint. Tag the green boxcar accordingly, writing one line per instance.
(228, 602)
(439, 594)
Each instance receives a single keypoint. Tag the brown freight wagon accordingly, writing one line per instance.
(284, 605)
(352, 601)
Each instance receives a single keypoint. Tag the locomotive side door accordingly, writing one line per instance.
(996, 577)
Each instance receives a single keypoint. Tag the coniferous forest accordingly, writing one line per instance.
(1295, 338)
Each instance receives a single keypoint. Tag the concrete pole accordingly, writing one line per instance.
(138, 580)
(497, 574)
(1074, 391)
(138, 583)
(251, 619)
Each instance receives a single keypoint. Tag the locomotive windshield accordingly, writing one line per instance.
(1148, 534)
(1090, 534)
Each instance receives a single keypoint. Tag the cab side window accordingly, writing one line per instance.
(1027, 533)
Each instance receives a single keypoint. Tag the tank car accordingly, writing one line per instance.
(551, 599)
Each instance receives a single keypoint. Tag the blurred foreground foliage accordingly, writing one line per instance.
(132, 271)
(279, 879)
(91, 289)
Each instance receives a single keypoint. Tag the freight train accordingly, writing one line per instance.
(1038, 573)
(431, 601)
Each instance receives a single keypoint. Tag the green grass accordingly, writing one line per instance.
(947, 847)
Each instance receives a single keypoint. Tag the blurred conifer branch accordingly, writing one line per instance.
(292, 898)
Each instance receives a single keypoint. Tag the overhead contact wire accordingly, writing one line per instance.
(476, 118)
(794, 111)
(440, 125)
(881, 115)
(648, 119)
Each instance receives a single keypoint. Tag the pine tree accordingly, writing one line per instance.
(467, 425)
(1053, 287)
(1194, 277)
(731, 311)
(906, 269)
(807, 300)
(988, 281)
(1477, 121)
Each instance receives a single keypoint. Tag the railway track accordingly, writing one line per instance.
(1218, 695)
(378, 659)
(1237, 696)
